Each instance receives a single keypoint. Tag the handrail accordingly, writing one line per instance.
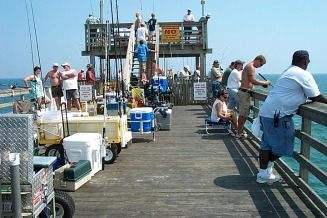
(128, 65)
(197, 36)
(309, 112)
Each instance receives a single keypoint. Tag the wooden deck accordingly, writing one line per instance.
(186, 173)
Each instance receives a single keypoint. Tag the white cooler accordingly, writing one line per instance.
(85, 146)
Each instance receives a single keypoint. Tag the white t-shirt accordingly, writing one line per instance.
(214, 115)
(189, 17)
(234, 79)
(141, 33)
(70, 83)
(291, 90)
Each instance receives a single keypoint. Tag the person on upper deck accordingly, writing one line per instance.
(92, 20)
(152, 27)
(226, 74)
(188, 20)
(35, 86)
(219, 111)
(56, 84)
(234, 83)
(69, 77)
(142, 33)
(247, 82)
(292, 89)
(137, 22)
(216, 76)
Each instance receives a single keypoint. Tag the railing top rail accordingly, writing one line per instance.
(314, 111)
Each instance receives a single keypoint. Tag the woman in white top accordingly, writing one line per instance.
(219, 111)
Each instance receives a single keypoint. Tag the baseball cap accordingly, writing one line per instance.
(55, 65)
(238, 61)
(65, 64)
(216, 62)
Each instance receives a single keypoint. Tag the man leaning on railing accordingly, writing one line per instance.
(292, 89)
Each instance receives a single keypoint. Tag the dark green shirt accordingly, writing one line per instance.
(225, 76)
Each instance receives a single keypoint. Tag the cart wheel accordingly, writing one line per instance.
(118, 148)
(111, 154)
(55, 151)
(153, 137)
(65, 206)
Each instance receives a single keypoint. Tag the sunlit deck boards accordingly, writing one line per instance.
(186, 173)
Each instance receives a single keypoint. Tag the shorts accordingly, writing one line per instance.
(244, 101)
(56, 91)
(232, 99)
(152, 33)
(72, 94)
(280, 139)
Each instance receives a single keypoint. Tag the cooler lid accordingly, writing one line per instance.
(83, 137)
(141, 110)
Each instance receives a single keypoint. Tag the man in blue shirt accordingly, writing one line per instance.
(142, 53)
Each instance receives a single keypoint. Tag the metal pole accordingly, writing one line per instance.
(15, 185)
(202, 4)
(101, 31)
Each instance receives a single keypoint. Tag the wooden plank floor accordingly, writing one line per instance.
(186, 173)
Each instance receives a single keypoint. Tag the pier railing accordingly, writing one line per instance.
(95, 33)
(312, 112)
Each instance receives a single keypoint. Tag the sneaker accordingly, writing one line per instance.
(270, 167)
(265, 177)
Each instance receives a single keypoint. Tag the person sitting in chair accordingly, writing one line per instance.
(219, 111)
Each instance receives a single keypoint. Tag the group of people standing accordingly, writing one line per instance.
(232, 89)
(63, 84)
(294, 87)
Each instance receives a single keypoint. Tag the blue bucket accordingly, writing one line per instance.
(144, 114)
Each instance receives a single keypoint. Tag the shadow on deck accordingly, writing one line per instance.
(186, 173)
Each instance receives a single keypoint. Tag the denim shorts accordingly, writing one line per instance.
(279, 139)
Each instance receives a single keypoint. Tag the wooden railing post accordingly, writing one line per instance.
(305, 149)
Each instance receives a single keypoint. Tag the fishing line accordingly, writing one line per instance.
(264, 79)
(36, 37)
(29, 32)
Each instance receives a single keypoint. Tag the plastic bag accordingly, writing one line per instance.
(256, 128)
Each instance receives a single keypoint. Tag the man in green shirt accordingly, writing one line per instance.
(226, 74)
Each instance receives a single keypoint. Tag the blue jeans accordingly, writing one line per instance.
(278, 138)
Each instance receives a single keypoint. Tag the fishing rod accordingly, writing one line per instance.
(264, 78)
(115, 50)
(120, 59)
(29, 32)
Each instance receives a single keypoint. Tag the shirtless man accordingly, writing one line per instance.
(247, 83)
(56, 84)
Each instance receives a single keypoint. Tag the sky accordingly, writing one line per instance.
(238, 29)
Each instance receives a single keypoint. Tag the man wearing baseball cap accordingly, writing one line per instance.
(234, 83)
(56, 84)
(292, 89)
(70, 85)
(216, 76)
(188, 20)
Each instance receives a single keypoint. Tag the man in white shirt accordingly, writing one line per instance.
(292, 89)
(142, 33)
(70, 85)
(234, 83)
(188, 20)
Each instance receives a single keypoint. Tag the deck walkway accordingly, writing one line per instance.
(186, 173)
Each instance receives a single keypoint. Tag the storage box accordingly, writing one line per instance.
(61, 184)
(142, 119)
(163, 118)
(85, 146)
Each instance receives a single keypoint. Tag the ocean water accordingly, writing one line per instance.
(318, 131)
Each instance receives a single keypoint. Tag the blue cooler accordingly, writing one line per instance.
(144, 114)
(161, 82)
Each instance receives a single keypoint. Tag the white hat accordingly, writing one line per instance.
(55, 65)
(65, 64)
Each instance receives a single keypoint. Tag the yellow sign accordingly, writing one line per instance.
(170, 33)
